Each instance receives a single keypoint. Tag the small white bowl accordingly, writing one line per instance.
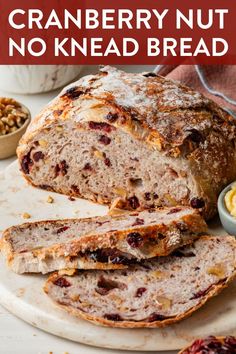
(29, 79)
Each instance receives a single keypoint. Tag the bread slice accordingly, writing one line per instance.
(212, 345)
(155, 294)
(99, 242)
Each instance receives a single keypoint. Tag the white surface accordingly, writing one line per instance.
(16, 336)
(23, 295)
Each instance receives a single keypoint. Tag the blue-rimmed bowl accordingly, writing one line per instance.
(228, 221)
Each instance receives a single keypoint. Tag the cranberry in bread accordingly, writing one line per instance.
(155, 293)
(139, 138)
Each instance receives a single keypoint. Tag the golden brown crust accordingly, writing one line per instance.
(215, 290)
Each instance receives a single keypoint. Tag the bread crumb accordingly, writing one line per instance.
(26, 216)
(50, 199)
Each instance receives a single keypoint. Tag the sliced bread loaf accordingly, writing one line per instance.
(157, 293)
(139, 137)
(100, 242)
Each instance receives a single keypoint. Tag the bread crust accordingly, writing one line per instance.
(193, 223)
(163, 114)
(216, 289)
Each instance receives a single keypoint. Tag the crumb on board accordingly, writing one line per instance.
(26, 216)
(50, 199)
(71, 199)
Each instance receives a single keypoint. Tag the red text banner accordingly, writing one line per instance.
(117, 32)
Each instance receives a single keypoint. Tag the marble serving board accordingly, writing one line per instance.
(23, 296)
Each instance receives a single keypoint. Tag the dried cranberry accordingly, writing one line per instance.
(62, 229)
(113, 317)
(38, 156)
(197, 203)
(134, 202)
(88, 167)
(58, 112)
(113, 256)
(26, 163)
(57, 170)
(62, 283)
(151, 74)
(148, 196)
(105, 140)
(75, 189)
(155, 196)
(112, 117)
(101, 126)
(155, 317)
(230, 341)
(140, 292)
(138, 221)
(174, 210)
(73, 93)
(212, 345)
(61, 168)
(64, 168)
(107, 162)
(134, 239)
(201, 293)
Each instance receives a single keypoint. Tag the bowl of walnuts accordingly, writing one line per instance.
(14, 120)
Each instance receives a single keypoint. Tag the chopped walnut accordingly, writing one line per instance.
(163, 301)
(43, 143)
(158, 274)
(12, 115)
(121, 192)
(26, 216)
(98, 154)
(50, 200)
(217, 270)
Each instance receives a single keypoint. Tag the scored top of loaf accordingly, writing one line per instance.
(167, 112)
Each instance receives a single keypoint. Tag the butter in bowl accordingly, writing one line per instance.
(227, 208)
(14, 120)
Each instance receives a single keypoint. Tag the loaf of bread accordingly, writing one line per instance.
(101, 242)
(157, 293)
(212, 345)
(138, 138)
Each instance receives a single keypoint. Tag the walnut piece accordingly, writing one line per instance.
(26, 216)
(12, 115)
(217, 270)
